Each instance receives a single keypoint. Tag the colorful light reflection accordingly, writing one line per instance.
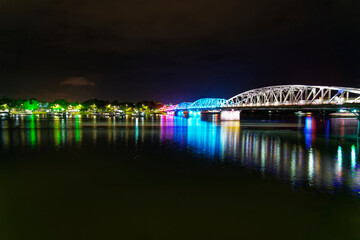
(339, 163)
(353, 158)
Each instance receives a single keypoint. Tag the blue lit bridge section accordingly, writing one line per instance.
(195, 108)
(183, 106)
(203, 103)
(208, 103)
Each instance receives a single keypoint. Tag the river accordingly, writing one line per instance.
(171, 177)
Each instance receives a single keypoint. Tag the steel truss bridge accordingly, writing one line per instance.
(282, 97)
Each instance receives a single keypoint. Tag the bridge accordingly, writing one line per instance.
(281, 97)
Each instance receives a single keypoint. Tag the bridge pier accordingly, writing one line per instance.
(358, 128)
(233, 115)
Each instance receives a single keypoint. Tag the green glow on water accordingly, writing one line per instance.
(278, 155)
(136, 130)
(57, 134)
(32, 131)
(353, 157)
(339, 162)
(263, 155)
(77, 129)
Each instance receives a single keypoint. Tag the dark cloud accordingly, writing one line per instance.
(77, 82)
(176, 50)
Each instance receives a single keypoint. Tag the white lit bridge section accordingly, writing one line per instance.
(284, 95)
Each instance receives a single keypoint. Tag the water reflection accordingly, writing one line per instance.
(77, 129)
(57, 134)
(310, 160)
(309, 131)
(312, 152)
(353, 158)
(311, 166)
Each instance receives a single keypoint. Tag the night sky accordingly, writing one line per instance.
(174, 51)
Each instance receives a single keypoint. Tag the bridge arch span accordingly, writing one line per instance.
(183, 106)
(283, 95)
(208, 103)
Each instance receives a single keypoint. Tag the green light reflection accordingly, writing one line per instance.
(32, 131)
(353, 158)
(57, 134)
(136, 130)
(339, 163)
(263, 154)
(77, 129)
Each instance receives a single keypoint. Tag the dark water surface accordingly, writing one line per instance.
(179, 178)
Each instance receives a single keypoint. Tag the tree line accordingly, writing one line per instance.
(92, 105)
